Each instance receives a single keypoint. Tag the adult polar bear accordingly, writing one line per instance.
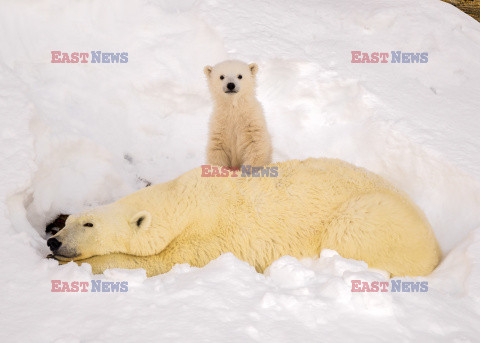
(311, 205)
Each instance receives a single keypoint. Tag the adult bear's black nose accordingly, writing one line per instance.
(54, 244)
(231, 86)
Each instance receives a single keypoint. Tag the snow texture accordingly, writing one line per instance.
(74, 136)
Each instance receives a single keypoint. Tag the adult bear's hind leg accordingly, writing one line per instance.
(385, 230)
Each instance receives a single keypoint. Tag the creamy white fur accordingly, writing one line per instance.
(312, 205)
(238, 131)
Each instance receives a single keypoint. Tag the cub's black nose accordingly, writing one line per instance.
(231, 86)
(53, 244)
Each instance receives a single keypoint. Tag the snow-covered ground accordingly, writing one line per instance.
(77, 135)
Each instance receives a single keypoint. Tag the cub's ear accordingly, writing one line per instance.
(141, 220)
(253, 68)
(207, 70)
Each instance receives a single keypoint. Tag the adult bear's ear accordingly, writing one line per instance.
(141, 220)
(207, 70)
(253, 68)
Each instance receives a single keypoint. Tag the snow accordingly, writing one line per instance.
(74, 136)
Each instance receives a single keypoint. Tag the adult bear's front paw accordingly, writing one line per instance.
(52, 257)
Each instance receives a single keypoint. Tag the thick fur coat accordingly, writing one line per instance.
(238, 131)
(311, 205)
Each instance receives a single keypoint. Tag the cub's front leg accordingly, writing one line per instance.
(216, 149)
(257, 149)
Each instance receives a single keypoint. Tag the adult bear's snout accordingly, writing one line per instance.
(54, 244)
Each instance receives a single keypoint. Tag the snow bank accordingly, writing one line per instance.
(76, 136)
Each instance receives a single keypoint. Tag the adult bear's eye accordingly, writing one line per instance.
(222, 77)
(88, 224)
(240, 76)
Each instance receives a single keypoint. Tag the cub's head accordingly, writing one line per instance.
(105, 230)
(231, 78)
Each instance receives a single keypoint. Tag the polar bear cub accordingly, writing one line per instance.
(238, 131)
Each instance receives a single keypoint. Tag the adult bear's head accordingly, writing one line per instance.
(105, 230)
(140, 224)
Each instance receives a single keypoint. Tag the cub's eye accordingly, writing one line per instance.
(88, 224)
(222, 77)
(240, 76)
